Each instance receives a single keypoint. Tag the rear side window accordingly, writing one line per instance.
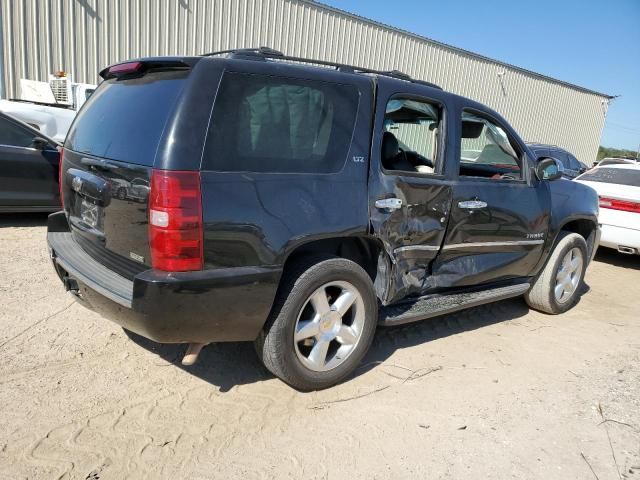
(266, 123)
(124, 119)
(617, 176)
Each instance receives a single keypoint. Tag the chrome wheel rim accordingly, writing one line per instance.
(568, 276)
(329, 326)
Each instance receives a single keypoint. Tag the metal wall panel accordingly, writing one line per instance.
(83, 36)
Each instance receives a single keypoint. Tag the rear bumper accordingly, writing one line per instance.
(227, 304)
(616, 237)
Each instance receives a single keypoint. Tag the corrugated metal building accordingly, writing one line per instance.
(82, 36)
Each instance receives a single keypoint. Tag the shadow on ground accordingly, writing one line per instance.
(613, 257)
(226, 365)
(23, 219)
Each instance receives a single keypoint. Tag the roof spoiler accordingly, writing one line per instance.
(139, 67)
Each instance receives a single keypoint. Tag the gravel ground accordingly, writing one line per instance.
(495, 392)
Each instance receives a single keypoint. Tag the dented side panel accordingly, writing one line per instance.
(411, 235)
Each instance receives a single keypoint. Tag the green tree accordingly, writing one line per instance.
(604, 152)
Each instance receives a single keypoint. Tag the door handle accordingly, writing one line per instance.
(472, 204)
(389, 203)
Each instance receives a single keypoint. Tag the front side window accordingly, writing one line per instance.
(410, 141)
(264, 123)
(13, 135)
(486, 150)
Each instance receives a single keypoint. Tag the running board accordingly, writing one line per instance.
(433, 306)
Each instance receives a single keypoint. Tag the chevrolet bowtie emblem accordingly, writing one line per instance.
(76, 184)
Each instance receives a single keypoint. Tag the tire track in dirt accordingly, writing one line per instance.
(178, 425)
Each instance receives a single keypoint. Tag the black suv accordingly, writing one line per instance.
(300, 204)
(571, 166)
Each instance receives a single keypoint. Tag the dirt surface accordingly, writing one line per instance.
(491, 393)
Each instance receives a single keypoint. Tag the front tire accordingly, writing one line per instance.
(322, 324)
(557, 289)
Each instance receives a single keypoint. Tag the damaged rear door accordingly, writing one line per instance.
(409, 195)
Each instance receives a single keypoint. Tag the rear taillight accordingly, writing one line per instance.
(60, 177)
(624, 205)
(175, 221)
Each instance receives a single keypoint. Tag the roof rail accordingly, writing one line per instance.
(264, 53)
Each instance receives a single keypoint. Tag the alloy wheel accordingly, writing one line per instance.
(568, 276)
(329, 326)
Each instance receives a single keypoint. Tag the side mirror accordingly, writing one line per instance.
(549, 169)
(39, 143)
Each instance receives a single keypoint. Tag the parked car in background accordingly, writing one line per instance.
(572, 167)
(618, 187)
(615, 161)
(49, 107)
(29, 167)
(51, 121)
(300, 207)
(136, 189)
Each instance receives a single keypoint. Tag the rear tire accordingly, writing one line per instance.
(322, 323)
(557, 289)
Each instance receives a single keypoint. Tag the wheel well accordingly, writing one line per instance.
(585, 228)
(361, 250)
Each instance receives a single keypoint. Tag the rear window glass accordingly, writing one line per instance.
(618, 176)
(124, 119)
(266, 123)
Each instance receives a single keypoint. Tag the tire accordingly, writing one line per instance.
(295, 362)
(121, 193)
(543, 295)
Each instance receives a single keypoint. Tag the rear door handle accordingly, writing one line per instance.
(472, 204)
(389, 203)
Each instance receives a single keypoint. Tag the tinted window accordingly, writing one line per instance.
(411, 137)
(564, 159)
(273, 124)
(618, 176)
(124, 119)
(574, 164)
(14, 135)
(486, 150)
(540, 152)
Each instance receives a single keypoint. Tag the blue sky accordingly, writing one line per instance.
(592, 43)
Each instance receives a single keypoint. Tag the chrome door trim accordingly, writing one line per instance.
(31, 149)
(408, 248)
(492, 244)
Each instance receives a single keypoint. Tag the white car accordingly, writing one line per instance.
(618, 188)
(54, 122)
